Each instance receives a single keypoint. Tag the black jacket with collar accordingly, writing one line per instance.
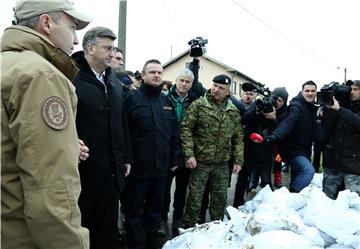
(296, 131)
(101, 123)
(259, 156)
(343, 151)
(154, 132)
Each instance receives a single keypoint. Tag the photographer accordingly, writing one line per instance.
(342, 154)
(281, 112)
(259, 156)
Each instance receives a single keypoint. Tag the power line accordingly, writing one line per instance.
(285, 37)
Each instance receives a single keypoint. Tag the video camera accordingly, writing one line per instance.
(197, 46)
(341, 92)
(138, 75)
(268, 101)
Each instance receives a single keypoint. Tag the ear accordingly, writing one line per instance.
(45, 24)
(91, 49)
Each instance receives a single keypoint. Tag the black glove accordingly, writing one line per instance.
(270, 140)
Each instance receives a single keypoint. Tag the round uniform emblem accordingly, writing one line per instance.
(55, 113)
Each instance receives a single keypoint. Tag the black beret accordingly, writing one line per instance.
(222, 79)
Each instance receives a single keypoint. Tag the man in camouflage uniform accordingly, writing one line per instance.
(211, 134)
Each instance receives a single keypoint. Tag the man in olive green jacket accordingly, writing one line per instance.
(40, 182)
(211, 135)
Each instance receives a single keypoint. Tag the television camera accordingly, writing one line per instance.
(197, 46)
(268, 101)
(341, 92)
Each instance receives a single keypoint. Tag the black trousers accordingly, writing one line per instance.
(144, 200)
(319, 148)
(241, 187)
(98, 204)
(181, 176)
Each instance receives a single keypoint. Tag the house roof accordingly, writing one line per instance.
(228, 69)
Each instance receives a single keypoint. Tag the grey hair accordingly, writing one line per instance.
(95, 34)
(32, 22)
(185, 72)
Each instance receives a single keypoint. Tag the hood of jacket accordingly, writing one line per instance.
(20, 38)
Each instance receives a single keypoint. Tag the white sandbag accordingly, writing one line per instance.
(312, 234)
(327, 239)
(272, 217)
(263, 195)
(316, 203)
(347, 200)
(238, 219)
(317, 180)
(283, 198)
(212, 234)
(338, 223)
(349, 241)
(339, 246)
(277, 239)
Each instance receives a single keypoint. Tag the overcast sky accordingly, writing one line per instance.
(276, 42)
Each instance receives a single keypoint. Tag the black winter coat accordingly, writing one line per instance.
(343, 151)
(296, 130)
(258, 154)
(101, 123)
(154, 132)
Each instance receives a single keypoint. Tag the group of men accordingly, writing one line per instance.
(72, 142)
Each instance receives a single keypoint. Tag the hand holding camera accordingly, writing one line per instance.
(197, 46)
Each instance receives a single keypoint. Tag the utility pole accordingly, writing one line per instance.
(122, 28)
(345, 73)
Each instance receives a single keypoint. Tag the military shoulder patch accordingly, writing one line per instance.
(55, 113)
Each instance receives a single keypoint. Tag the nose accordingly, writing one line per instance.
(76, 41)
(112, 52)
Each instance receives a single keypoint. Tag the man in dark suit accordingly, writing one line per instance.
(102, 125)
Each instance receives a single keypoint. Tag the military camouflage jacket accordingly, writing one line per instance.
(212, 133)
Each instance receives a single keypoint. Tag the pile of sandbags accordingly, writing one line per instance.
(281, 219)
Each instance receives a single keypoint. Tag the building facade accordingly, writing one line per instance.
(209, 68)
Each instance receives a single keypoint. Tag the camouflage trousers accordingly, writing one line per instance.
(332, 181)
(218, 176)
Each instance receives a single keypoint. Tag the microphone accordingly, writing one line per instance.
(256, 138)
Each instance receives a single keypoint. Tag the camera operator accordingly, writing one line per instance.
(342, 154)
(259, 156)
(295, 136)
(281, 112)
(248, 96)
